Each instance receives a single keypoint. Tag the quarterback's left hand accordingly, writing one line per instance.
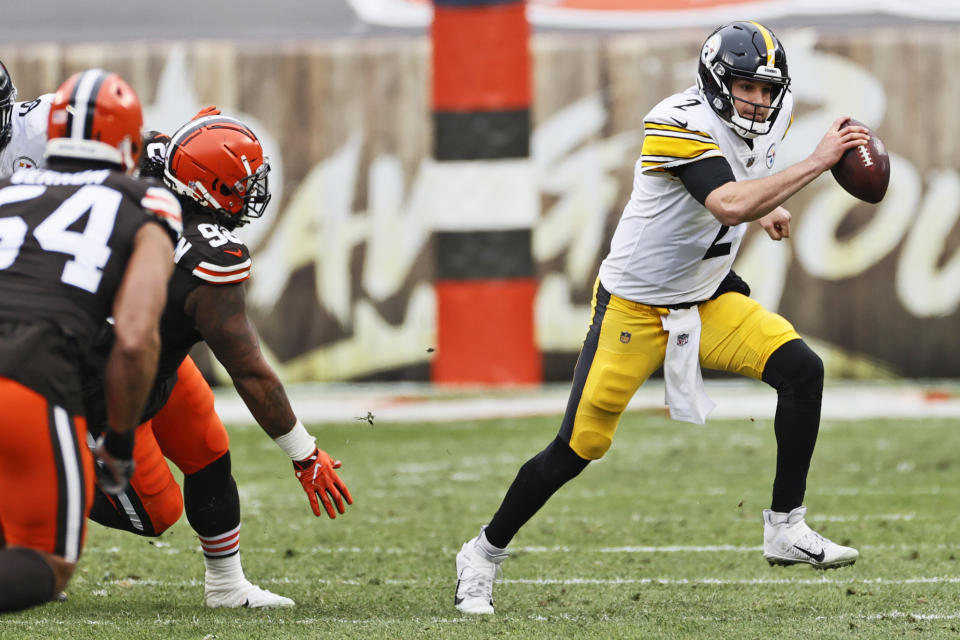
(316, 474)
(776, 223)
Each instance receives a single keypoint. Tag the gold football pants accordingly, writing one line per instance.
(626, 343)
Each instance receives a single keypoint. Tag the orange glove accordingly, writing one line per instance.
(206, 111)
(316, 474)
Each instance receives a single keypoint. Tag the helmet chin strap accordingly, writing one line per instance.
(748, 129)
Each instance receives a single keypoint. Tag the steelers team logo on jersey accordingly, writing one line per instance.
(771, 155)
(23, 162)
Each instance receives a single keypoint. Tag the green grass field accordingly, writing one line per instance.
(661, 539)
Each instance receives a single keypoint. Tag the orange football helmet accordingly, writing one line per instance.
(95, 115)
(219, 163)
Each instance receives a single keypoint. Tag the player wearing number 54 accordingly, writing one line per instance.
(78, 242)
(666, 296)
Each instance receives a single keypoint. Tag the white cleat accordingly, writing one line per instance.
(475, 576)
(244, 594)
(788, 540)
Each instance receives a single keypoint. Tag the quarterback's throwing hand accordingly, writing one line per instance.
(316, 474)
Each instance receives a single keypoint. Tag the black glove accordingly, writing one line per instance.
(114, 456)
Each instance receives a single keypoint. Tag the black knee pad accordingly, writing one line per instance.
(795, 370)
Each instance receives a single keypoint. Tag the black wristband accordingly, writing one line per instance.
(119, 445)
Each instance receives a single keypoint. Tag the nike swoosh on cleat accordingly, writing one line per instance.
(816, 556)
(456, 599)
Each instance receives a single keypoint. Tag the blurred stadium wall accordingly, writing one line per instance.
(343, 285)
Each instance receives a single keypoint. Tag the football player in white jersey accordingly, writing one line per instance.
(23, 128)
(666, 296)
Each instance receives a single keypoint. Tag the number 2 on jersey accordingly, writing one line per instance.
(717, 248)
(88, 247)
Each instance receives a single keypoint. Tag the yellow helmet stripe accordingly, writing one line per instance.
(768, 41)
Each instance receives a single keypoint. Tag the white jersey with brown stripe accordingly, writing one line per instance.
(212, 253)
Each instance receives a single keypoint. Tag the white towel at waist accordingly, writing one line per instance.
(685, 395)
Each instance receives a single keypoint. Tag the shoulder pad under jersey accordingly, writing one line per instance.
(165, 207)
(677, 131)
(156, 201)
(212, 253)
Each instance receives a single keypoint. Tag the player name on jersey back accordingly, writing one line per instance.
(59, 178)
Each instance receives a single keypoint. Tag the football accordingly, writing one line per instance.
(864, 171)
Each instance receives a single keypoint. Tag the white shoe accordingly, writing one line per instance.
(788, 540)
(243, 594)
(475, 576)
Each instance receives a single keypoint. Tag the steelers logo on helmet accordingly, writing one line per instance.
(218, 162)
(710, 48)
(743, 50)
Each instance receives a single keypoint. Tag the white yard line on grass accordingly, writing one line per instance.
(894, 614)
(736, 399)
(719, 582)
(734, 582)
(240, 620)
(540, 549)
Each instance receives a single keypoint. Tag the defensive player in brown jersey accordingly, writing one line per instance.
(78, 242)
(216, 166)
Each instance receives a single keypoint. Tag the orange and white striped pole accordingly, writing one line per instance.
(487, 200)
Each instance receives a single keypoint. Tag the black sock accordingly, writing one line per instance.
(796, 372)
(210, 498)
(26, 579)
(538, 479)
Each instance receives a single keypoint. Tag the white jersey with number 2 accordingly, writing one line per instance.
(668, 248)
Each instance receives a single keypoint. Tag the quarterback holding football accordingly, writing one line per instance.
(666, 296)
